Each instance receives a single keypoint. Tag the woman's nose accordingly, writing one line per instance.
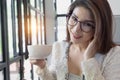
(77, 28)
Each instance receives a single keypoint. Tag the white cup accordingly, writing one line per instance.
(39, 51)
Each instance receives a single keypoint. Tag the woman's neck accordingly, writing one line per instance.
(80, 46)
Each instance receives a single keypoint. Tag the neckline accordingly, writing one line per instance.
(77, 76)
(67, 57)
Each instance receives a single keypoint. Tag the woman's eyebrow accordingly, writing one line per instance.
(84, 20)
(75, 15)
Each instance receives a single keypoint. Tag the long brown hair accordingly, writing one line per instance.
(102, 15)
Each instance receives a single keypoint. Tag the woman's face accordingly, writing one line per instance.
(81, 26)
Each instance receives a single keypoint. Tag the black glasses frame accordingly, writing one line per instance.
(82, 23)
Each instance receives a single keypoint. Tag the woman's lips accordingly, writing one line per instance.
(76, 37)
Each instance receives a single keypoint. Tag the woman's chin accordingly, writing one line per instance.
(76, 41)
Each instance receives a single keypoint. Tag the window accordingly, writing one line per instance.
(1, 75)
(14, 71)
(10, 29)
(1, 58)
(61, 10)
(62, 6)
(36, 32)
(61, 28)
(21, 24)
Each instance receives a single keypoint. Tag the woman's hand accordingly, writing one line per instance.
(90, 50)
(38, 62)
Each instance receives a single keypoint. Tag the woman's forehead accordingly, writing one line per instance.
(81, 12)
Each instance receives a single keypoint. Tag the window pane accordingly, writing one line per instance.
(61, 28)
(38, 4)
(14, 71)
(33, 26)
(41, 6)
(1, 75)
(0, 40)
(116, 35)
(27, 72)
(0, 45)
(32, 2)
(42, 29)
(39, 28)
(23, 28)
(16, 25)
(36, 26)
(62, 6)
(10, 37)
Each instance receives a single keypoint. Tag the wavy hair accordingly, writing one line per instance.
(102, 15)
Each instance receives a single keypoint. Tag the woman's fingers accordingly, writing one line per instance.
(90, 51)
(39, 62)
(33, 61)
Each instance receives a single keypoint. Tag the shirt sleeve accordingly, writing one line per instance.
(91, 70)
(49, 72)
(110, 71)
(46, 74)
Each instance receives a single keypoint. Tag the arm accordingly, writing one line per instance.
(49, 73)
(46, 74)
(110, 68)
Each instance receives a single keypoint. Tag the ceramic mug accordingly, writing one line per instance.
(39, 51)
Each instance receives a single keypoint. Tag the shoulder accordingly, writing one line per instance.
(59, 47)
(111, 63)
(60, 44)
(113, 54)
(114, 51)
(58, 50)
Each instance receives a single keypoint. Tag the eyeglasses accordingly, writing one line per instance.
(85, 26)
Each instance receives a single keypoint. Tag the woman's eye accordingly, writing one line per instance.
(75, 19)
(88, 24)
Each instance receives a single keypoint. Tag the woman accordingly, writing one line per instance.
(88, 52)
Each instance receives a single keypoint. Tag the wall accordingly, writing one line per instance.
(116, 36)
(115, 5)
(50, 21)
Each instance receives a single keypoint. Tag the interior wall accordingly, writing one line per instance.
(50, 21)
(115, 5)
(116, 26)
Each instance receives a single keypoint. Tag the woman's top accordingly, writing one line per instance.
(74, 77)
(100, 67)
